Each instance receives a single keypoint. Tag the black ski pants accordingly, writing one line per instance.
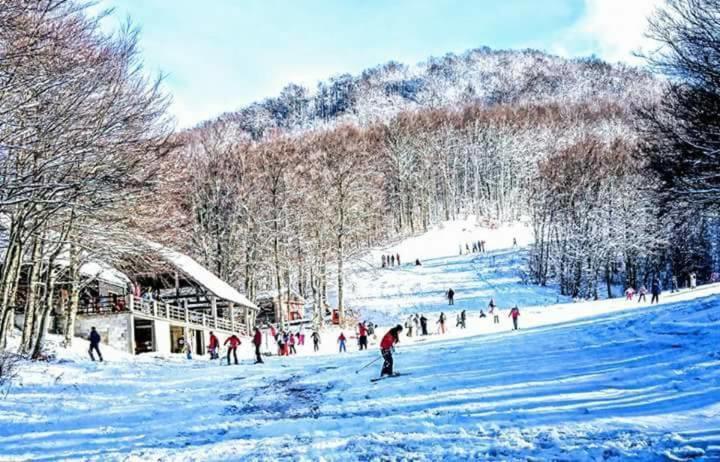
(232, 350)
(387, 368)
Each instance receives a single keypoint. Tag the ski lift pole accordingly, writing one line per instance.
(368, 364)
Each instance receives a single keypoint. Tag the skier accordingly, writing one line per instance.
(441, 322)
(417, 262)
(514, 314)
(475, 247)
(301, 336)
(482, 314)
(673, 284)
(94, 344)
(467, 248)
(371, 329)
(397, 258)
(423, 324)
(515, 243)
(463, 319)
(642, 292)
(409, 326)
(416, 322)
(213, 345)
(383, 261)
(655, 290)
(629, 293)
(693, 280)
(280, 343)
(387, 345)
(234, 341)
(362, 336)
(392, 260)
(316, 341)
(493, 311)
(257, 341)
(341, 341)
(451, 296)
(457, 320)
(291, 344)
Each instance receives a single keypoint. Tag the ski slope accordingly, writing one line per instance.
(608, 380)
(390, 295)
(633, 384)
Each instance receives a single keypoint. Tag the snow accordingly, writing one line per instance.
(201, 275)
(608, 380)
(100, 270)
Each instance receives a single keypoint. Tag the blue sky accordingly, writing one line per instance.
(220, 55)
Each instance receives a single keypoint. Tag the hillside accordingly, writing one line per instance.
(481, 76)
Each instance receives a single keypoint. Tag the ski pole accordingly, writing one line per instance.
(366, 365)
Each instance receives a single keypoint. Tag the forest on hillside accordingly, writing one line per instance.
(614, 167)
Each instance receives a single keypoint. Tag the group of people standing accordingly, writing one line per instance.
(232, 343)
(364, 331)
(474, 247)
(390, 260)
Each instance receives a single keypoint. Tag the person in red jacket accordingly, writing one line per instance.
(362, 336)
(341, 341)
(213, 346)
(257, 341)
(387, 345)
(514, 314)
(234, 341)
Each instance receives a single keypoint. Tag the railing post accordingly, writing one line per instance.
(187, 312)
(204, 320)
(154, 308)
(131, 303)
(213, 310)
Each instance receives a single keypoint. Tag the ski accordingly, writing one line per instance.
(397, 374)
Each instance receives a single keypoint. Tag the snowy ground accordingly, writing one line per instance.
(607, 380)
(627, 385)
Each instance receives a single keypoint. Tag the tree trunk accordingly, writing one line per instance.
(71, 314)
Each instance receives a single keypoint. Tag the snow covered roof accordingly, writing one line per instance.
(104, 272)
(201, 275)
(273, 293)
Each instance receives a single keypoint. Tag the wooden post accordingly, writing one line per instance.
(187, 313)
(247, 318)
(131, 303)
(213, 310)
(131, 334)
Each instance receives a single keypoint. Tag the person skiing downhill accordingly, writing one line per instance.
(213, 345)
(629, 293)
(514, 314)
(234, 341)
(341, 341)
(387, 345)
(316, 341)
(257, 341)
(655, 290)
(95, 344)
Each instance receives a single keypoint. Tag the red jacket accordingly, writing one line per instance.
(341, 338)
(388, 341)
(234, 341)
(514, 313)
(363, 330)
(214, 342)
(257, 339)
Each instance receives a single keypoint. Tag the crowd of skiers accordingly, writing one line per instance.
(656, 289)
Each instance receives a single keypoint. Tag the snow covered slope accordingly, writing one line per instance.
(630, 384)
(388, 295)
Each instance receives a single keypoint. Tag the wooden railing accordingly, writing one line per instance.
(163, 310)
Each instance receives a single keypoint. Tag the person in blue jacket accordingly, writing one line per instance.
(94, 344)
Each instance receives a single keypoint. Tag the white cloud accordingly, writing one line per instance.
(611, 29)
